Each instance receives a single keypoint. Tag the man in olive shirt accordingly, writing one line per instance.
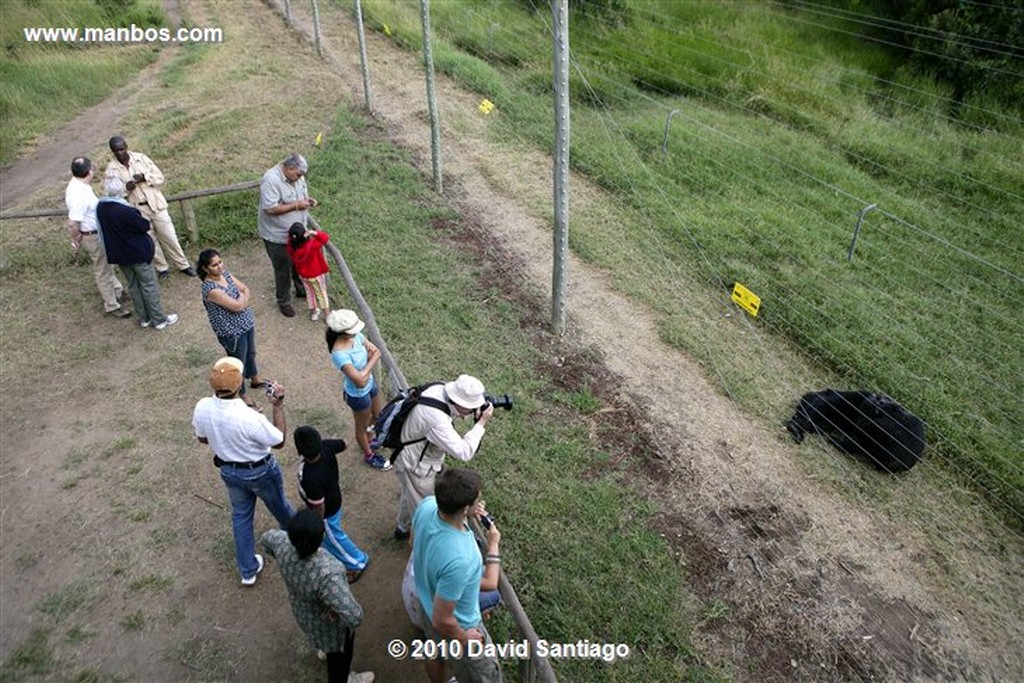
(142, 180)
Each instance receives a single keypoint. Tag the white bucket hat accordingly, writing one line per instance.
(344, 321)
(466, 391)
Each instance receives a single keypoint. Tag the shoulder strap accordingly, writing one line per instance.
(430, 403)
(437, 405)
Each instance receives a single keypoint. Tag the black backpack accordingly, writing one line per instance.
(387, 430)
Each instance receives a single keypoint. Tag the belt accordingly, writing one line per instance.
(217, 462)
(90, 232)
(141, 203)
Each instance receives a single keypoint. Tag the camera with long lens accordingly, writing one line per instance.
(504, 402)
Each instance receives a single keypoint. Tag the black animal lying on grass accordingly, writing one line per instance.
(870, 426)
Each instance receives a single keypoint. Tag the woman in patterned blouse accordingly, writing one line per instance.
(318, 590)
(226, 299)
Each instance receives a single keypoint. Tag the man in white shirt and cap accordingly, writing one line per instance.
(431, 434)
(241, 439)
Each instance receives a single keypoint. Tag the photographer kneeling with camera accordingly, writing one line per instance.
(429, 434)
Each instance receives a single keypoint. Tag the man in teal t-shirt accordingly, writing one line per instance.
(450, 573)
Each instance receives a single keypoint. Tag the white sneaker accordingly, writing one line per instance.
(321, 655)
(259, 568)
(144, 324)
(314, 315)
(171, 319)
(364, 677)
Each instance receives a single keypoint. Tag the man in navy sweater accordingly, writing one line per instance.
(125, 235)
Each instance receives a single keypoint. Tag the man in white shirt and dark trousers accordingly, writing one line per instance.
(84, 229)
(241, 439)
(418, 463)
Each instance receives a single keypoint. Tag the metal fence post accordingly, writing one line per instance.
(362, 55)
(856, 230)
(316, 29)
(560, 77)
(435, 123)
(664, 141)
(288, 12)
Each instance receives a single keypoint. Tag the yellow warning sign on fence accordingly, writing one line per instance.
(486, 106)
(746, 299)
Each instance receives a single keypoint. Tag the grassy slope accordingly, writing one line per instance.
(785, 131)
(35, 76)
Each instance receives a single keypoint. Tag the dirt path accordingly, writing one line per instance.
(33, 174)
(818, 588)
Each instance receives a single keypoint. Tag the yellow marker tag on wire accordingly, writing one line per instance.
(746, 299)
(387, 29)
(319, 139)
(486, 106)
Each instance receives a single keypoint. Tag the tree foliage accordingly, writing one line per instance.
(977, 48)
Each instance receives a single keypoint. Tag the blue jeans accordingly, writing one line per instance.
(244, 487)
(243, 347)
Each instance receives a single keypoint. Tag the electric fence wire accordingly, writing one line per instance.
(893, 303)
(881, 41)
(908, 29)
(1012, 466)
(616, 49)
(638, 158)
(876, 94)
(696, 244)
(1002, 247)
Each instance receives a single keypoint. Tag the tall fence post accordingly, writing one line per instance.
(362, 55)
(288, 12)
(856, 230)
(435, 123)
(316, 29)
(560, 24)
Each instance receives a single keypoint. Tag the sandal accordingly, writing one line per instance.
(354, 575)
(258, 385)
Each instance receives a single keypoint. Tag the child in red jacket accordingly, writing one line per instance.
(305, 247)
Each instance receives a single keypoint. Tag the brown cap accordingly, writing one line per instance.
(226, 375)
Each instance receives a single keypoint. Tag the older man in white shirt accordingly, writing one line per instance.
(84, 229)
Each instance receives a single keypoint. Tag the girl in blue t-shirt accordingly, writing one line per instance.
(355, 355)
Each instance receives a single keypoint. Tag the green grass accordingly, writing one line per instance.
(133, 621)
(537, 465)
(75, 596)
(35, 75)
(785, 131)
(32, 656)
(151, 584)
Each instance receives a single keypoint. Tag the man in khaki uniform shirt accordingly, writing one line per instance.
(142, 179)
